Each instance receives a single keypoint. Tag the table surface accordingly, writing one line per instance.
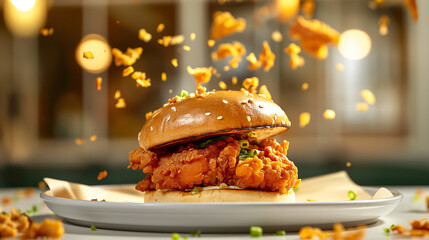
(408, 209)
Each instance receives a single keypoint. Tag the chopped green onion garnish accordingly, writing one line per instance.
(386, 230)
(256, 231)
(246, 134)
(175, 236)
(185, 238)
(195, 190)
(196, 233)
(392, 226)
(183, 94)
(352, 195)
(93, 228)
(210, 141)
(281, 233)
(34, 208)
(254, 152)
(244, 143)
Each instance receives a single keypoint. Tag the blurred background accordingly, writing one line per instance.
(55, 123)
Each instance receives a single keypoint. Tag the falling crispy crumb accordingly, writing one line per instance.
(226, 68)
(338, 233)
(192, 36)
(263, 90)
(128, 58)
(222, 85)
(171, 40)
(144, 35)
(419, 228)
(224, 24)
(79, 141)
(304, 86)
(267, 57)
(164, 76)
(368, 96)
(98, 81)
(141, 80)
(49, 228)
(148, 115)
(186, 48)
(6, 200)
(127, 71)
(143, 83)
(120, 103)
(412, 9)
(117, 94)
(363, 107)
(295, 60)
(313, 36)
(307, 8)
(201, 75)
(102, 175)
(234, 80)
(254, 63)
(348, 164)
(170, 90)
(174, 62)
(42, 185)
(304, 119)
(88, 55)
(339, 67)
(160, 27)
(211, 43)
(277, 36)
(93, 138)
(47, 31)
(329, 114)
(251, 83)
(383, 22)
(235, 50)
(138, 75)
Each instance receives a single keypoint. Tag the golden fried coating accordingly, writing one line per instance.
(218, 163)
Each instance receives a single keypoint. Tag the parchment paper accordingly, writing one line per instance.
(330, 187)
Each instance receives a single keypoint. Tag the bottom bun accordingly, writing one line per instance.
(219, 195)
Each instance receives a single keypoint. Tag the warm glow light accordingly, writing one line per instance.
(23, 5)
(99, 47)
(25, 18)
(354, 44)
(287, 9)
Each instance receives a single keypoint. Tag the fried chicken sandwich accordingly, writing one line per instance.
(215, 147)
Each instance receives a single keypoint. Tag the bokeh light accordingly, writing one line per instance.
(23, 5)
(25, 18)
(354, 44)
(98, 46)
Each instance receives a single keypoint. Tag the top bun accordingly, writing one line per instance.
(214, 113)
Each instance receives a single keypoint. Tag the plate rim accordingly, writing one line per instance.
(397, 196)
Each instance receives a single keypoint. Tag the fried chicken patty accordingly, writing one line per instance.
(191, 166)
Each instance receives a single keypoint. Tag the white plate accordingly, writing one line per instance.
(220, 217)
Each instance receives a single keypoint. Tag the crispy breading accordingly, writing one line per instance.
(218, 163)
